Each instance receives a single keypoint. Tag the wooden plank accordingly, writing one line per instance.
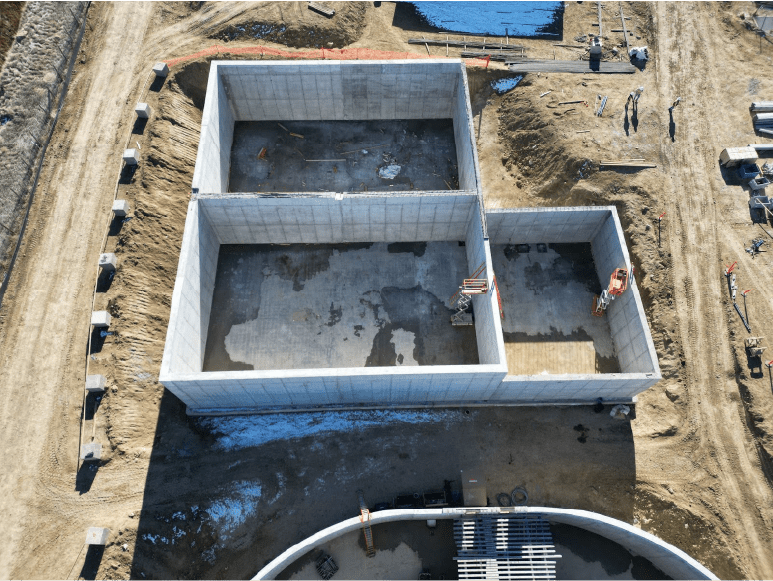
(495, 56)
(322, 9)
(625, 32)
(556, 66)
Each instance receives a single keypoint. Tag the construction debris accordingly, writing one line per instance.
(601, 107)
(322, 9)
(466, 43)
(756, 246)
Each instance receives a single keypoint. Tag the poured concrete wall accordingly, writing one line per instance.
(341, 90)
(215, 220)
(186, 336)
(325, 218)
(672, 561)
(524, 225)
(633, 342)
(361, 387)
(331, 91)
(628, 324)
(213, 159)
(466, 152)
(488, 330)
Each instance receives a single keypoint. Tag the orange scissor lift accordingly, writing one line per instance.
(618, 282)
(462, 298)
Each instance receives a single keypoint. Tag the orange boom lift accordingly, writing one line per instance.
(618, 282)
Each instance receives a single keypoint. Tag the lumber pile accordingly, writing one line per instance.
(322, 9)
(626, 163)
(466, 43)
(495, 56)
(556, 66)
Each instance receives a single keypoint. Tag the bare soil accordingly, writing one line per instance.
(693, 467)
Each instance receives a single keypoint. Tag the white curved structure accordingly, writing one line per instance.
(672, 561)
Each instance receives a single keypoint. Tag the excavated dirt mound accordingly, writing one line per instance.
(295, 25)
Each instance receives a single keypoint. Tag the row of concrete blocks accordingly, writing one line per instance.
(132, 156)
(92, 451)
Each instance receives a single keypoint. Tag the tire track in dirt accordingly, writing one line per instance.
(47, 311)
(686, 68)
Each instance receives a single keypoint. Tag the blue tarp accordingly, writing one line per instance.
(531, 19)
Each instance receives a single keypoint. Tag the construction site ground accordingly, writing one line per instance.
(220, 498)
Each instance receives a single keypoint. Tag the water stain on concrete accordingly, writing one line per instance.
(335, 315)
(300, 262)
(417, 248)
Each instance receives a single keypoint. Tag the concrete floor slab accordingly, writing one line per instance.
(337, 305)
(547, 293)
(424, 150)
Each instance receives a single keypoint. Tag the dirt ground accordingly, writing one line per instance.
(693, 467)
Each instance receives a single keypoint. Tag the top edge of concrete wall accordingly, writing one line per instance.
(333, 195)
(612, 209)
(450, 62)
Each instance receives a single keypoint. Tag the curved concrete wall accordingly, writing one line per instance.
(672, 561)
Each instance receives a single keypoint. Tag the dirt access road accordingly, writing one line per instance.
(700, 241)
(46, 309)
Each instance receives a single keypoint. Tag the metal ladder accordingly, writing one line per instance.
(370, 549)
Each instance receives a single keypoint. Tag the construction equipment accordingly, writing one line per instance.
(754, 347)
(618, 282)
(754, 351)
(754, 249)
(462, 299)
(733, 292)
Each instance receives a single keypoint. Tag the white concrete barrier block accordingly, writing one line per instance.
(142, 110)
(95, 383)
(120, 207)
(161, 69)
(100, 318)
(97, 536)
(107, 261)
(131, 156)
(91, 452)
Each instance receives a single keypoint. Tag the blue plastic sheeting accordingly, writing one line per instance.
(504, 85)
(529, 19)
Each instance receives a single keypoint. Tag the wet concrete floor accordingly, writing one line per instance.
(547, 294)
(304, 306)
(411, 155)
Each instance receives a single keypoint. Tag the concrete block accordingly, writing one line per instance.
(100, 319)
(142, 110)
(107, 261)
(120, 208)
(95, 383)
(91, 452)
(161, 69)
(131, 156)
(97, 536)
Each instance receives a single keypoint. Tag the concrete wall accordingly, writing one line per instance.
(331, 90)
(324, 218)
(630, 331)
(466, 151)
(241, 219)
(628, 324)
(340, 90)
(357, 387)
(530, 225)
(672, 561)
(186, 336)
(488, 328)
(213, 159)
